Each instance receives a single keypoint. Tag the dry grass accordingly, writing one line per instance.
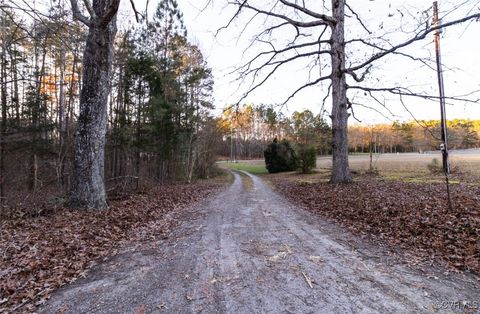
(410, 167)
(408, 162)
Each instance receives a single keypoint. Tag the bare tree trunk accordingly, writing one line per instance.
(88, 186)
(191, 160)
(36, 119)
(340, 168)
(33, 177)
(371, 150)
(3, 128)
(61, 122)
(71, 94)
(15, 96)
(137, 134)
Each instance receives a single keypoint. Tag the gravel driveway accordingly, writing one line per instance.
(247, 250)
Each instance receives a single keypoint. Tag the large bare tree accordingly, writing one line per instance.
(88, 186)
(315, 34)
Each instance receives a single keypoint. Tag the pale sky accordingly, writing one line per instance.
(460, 51)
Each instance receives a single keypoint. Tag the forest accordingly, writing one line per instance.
(159, 125)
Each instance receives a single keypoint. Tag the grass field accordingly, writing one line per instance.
(466, 161)
(252, 166)
(406, 166)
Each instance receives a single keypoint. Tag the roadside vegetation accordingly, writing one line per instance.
(41, 254)
(411, 218)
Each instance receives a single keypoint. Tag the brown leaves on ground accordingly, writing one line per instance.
(40, 254)
(410, 216)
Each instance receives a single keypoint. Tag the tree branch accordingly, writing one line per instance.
(78, 15)
(286, 18)
(326, 18)
(358, 18)
(419, 36)
(275, 52)
(356, 77)
(323, 78)
(89, 8)
(403, 91)
(136, 12)
(110, 12)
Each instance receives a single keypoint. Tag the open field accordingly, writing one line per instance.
(406, 166)
(252, 166)
(464, 160)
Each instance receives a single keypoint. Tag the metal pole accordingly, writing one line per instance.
(443, 121)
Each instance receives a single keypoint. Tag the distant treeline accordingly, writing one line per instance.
(249, 128)
(413, 136)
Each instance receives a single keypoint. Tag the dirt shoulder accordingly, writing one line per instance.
(40, 254)
(410, 219)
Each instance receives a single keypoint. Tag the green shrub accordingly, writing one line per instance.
(280, 156)
(307, 158)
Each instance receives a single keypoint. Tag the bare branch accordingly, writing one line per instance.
(77, 14)
(137, 14)
(356, 77)
(329, 89)
(89, 8)
(418, 36)
(358, 18)
(326, 18)
(232, 18)
(403, 91)
(323, 78)
(35, 15)
(371, 108)
(278, 64)
(415, 119)
(350, 106)
(286, 18)
(275, 52)
(110, 12)
(424, 61)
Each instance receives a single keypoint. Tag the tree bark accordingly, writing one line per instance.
(88, 186)
(3, 128)
(15, 95)
(340, 168)
(61, 122)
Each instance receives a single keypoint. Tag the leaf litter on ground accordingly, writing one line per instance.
(411, 218)
(40, 254)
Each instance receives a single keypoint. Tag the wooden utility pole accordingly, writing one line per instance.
(443, 121)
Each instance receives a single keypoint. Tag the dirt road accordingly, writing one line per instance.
(247, 250)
